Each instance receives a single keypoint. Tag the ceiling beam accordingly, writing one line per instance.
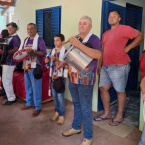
(6, 3)
(5, 10)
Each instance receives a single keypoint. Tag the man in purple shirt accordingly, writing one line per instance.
(36, 49)
(8, 68)
(81, 84)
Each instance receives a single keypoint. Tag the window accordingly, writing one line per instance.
(48, 24)
(47, 27)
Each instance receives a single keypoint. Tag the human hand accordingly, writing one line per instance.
(143, 97)
(61, 64)
(29, 51)
(126, 49)
(75, 42)
(98, 70)
(53, 58)
(46, 60)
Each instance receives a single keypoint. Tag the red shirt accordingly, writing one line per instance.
(142, 65)
(114, 42)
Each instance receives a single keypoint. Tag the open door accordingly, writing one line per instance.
(133, 19)
(130, 15)
(106, 9)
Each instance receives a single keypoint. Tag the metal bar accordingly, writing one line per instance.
(5, 10)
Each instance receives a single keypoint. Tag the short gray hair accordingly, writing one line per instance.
(88, 18)
(35, 26)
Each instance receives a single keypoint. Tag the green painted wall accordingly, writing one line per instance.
(71, 11)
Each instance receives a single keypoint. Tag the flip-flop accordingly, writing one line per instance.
(119, 122)
(102, 119)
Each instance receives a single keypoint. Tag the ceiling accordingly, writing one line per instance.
(5, 5)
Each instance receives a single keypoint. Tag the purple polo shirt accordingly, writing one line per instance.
(87, 77)
(96, 44)
(41, 47)
(15, 42)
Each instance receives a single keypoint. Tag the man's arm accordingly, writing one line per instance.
(93, 53)
(42, 49)
(12, 51)
(137, 41)
(39, 53)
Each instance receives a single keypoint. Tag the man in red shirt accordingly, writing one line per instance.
(116, 64)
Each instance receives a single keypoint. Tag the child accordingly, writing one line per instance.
(55, 74)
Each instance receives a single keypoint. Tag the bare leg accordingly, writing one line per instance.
(121, 103)
(105, 97)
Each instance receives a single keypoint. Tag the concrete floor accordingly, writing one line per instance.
(19, 128)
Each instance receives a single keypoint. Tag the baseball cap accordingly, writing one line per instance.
(12, 24)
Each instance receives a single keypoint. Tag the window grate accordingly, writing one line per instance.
(47, 33)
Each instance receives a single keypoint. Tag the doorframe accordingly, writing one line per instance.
(143, 47)
(102, 20)
(102, 14)
(141, 116)
(99, 105)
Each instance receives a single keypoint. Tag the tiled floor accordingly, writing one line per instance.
(132, 113)
(19, 128)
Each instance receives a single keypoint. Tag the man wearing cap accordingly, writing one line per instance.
(8, 68)
(36, 49)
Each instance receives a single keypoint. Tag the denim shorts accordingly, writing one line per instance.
(116, 75)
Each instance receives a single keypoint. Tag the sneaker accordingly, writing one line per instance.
(60, 120)
(55, 117)
(87, 142)
(9, 102)
(71, 132)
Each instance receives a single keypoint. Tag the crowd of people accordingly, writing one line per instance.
(113, 67)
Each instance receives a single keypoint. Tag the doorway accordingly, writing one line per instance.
(130, 15)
